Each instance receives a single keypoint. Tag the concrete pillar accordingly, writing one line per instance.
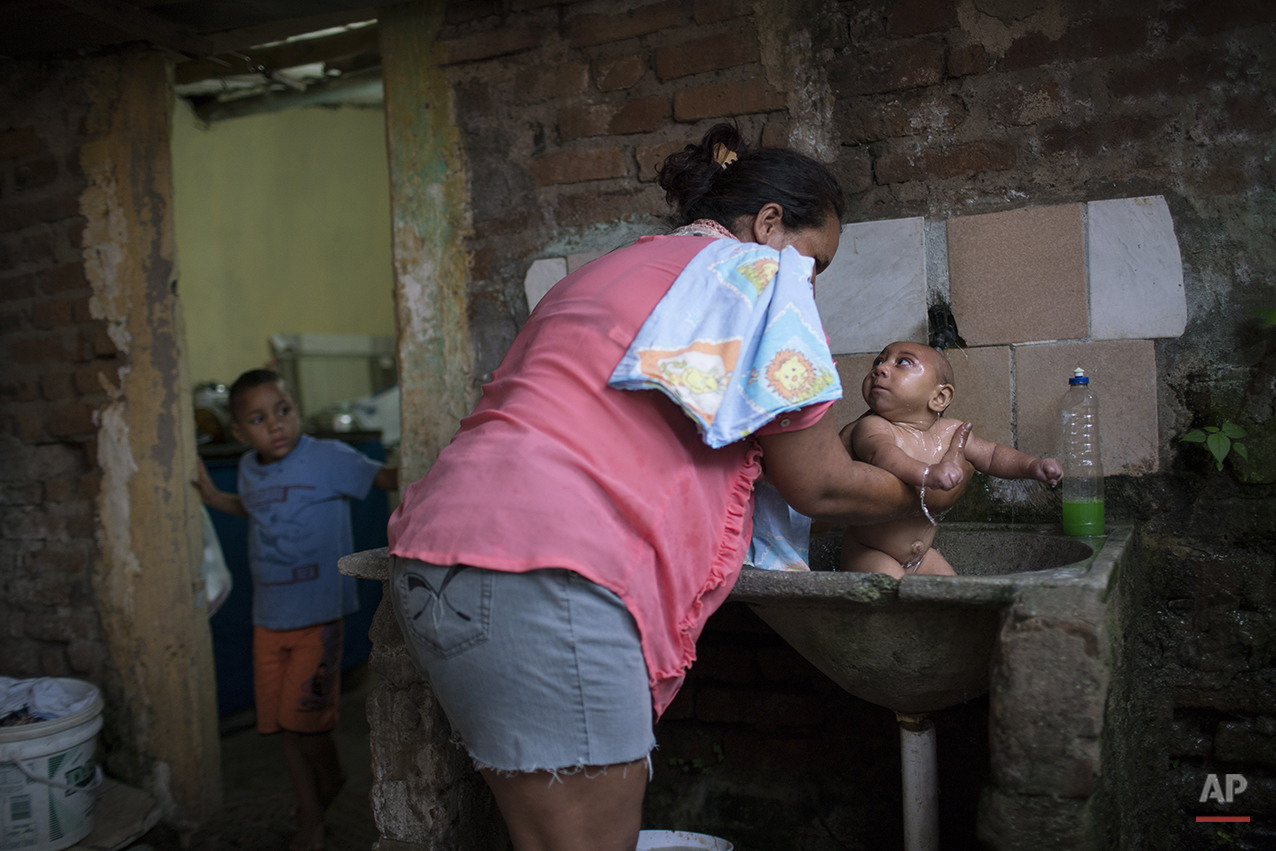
(145, 579)
(425, 794)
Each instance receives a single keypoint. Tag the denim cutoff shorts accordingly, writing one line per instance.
(537, 671)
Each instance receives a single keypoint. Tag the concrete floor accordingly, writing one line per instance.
(258, 794)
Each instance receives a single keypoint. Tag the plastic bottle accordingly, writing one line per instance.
(1082, 464)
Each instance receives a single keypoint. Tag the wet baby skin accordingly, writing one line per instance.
(905, 433)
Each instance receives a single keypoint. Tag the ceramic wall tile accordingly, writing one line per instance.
(543, 275)
(1136, 271)
(874, 291)
(1123, 374)
(1019, 276)
(982, 391)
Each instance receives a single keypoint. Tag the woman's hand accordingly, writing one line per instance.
(814, 473)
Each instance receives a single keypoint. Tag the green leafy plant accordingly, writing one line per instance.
(1219, 440)
(1267, 314)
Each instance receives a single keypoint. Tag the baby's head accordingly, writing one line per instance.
(264, 414)
(909, 381)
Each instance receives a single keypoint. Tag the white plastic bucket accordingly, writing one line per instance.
(678, 840)
(48, 775)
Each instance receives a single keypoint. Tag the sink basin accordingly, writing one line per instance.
(922, 643)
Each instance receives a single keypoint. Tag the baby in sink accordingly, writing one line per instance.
(905, 433)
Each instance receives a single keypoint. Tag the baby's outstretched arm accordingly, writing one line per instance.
(997, 459)
(872, 442)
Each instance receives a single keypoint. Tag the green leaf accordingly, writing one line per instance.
(1194, 436)
(1268, 315)
(1239, 449)
(1213, 429)
(1232, 430)
(1219, 445)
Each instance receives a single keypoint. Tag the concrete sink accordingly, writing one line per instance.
(922, 643)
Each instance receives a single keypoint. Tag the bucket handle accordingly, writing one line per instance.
(89, 787)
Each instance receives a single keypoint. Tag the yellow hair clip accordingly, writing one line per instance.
(723, 156)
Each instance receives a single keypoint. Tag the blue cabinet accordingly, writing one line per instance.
(233, 624)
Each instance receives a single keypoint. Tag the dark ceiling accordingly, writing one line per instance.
(194, 28)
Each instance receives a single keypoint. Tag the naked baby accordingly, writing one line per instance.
(905, 433)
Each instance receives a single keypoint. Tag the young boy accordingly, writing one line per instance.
(294, 490)
(905, 433)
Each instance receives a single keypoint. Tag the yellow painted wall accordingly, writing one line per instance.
(283, 226)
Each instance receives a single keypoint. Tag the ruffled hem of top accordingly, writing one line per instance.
(729, 559)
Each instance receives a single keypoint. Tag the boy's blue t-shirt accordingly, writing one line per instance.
(299, 525)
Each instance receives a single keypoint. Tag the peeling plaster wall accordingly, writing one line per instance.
(101, 536)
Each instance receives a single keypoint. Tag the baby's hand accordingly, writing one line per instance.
(1047, 470)
(943, 476)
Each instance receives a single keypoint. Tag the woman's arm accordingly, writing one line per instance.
(813, 472)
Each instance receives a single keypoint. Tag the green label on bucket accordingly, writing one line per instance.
(1083, 519)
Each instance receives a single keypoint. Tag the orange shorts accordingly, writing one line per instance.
(297, 677)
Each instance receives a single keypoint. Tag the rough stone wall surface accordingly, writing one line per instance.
(944, 108)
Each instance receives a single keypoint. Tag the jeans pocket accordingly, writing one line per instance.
(448, 609)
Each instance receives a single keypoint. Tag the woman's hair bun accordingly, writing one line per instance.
(704, 181)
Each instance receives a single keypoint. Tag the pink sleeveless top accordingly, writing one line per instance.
(556, 469)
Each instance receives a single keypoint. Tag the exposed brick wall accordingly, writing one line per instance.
(58, 365)
(943, 108)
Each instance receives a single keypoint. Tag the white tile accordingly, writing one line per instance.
(1136, 272)
(874, 291)
(575, 261)
(543, 275)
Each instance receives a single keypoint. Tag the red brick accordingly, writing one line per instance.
(1227, 177)
(1018, 107)
(81, 527)
(471, 10)
(581, 209)
(562, 81)
(16, 390)
(19, 143)
(103, 345)
(775, 134)
(940, 163)
(527, 5)
(48, 315)
(23, 214)
(620, 72)
(726, 99)
(651, 156)
(60, 490)
(81, 312)
(31, 246)
(1249, 115)
(85, 657)
(35, 171)
(74, 230)
(712, 11)
(64, 625)
(69, 276)
(56, 385)
(1093, 40)
(576, 166)
(919, 114)
(1167, 77)
(642, 115)
(89, 379)
(731, 663)
(917, 17)
(706, 54)
(587, 120)
(493, 43)
(53, 662)
(854, 169)
(31, 524)
(906, 66)
(89, 485)
(588, 30)
(42, 349)
(967, 59)
(71, 420)
(1088, 140)
(1207, 17)
(27, 425)
(21, 493)
(22, 286)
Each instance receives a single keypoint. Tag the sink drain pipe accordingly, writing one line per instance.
(921, 782)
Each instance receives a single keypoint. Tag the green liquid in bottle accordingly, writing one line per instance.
(1083, 519)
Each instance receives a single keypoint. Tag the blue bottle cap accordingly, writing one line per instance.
(1078, 377)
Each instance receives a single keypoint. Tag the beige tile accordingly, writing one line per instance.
(852, 369)
(1019, 276)
(1123, 374)
(982, 392)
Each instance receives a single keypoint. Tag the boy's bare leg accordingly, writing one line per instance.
(316, 779)
(596, 809)
(857, 557)
(935, 564)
